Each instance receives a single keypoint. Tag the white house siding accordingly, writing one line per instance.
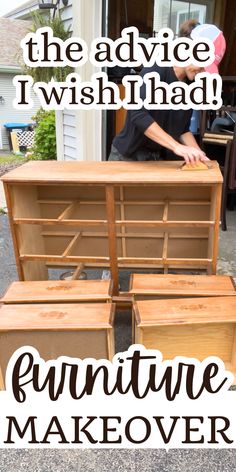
(79, 132)
(66, 15)
(66, 120)
(8, 114)
(69, 126)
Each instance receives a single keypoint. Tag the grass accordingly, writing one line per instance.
(10, 159)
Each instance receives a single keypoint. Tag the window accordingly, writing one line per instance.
(172, 13)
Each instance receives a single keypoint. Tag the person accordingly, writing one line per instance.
(187, 27)
(164, 134)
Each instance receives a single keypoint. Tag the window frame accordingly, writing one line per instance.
(210, 4)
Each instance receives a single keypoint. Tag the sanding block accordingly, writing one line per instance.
(199, 166)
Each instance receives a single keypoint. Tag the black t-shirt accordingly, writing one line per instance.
(174, 122)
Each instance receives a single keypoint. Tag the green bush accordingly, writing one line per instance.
(45, 74)
(45, 136)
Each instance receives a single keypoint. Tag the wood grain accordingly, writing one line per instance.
(111, 173)
(119, 214)
(193, 327)
(187, 311)
(56, 291)
(74, 316)
(181, 285)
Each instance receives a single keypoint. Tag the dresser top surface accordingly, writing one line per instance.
(162, 173)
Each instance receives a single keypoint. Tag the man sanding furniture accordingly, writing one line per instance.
(164, 134)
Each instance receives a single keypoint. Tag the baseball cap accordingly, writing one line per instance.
(216, 36)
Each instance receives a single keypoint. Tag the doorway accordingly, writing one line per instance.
(149, 17)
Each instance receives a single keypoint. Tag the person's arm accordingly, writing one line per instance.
(189, 140)
(191, 152)
(145, 123)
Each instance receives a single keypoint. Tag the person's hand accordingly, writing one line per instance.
(190, 154)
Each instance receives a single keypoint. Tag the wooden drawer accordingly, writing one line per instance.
(76, 330)
(58, 291)
(151, 286)
(193, 327)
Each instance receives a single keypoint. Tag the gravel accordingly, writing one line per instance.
(6, 167)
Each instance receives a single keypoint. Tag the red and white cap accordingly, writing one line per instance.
(216, 36)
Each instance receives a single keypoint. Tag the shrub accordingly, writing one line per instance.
(45, 136)
(45, 74)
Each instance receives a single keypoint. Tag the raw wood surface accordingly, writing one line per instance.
(214, 233)
(74, 330)
(186, 311)
(193, 327)
(181, 285)
(111, 173)
(9, 203)
(50, 344)
(121, 199)
(218, 136)
(112, 238)
(58, 291)
(194, 340)
(215, 141)
(77, 316)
